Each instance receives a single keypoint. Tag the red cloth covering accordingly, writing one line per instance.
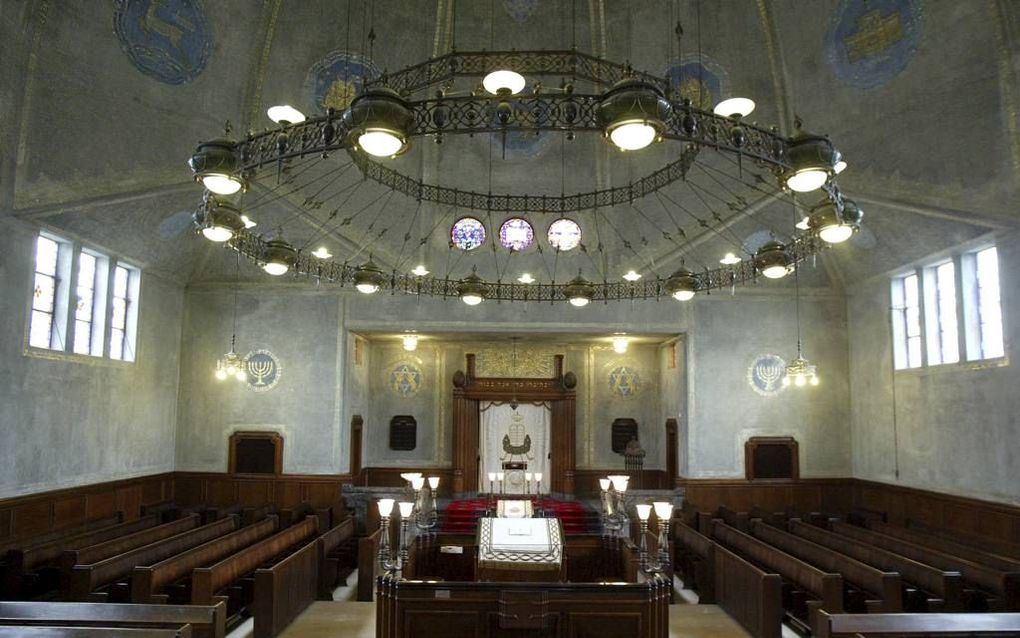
(461, 517)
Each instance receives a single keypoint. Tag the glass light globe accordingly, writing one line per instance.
(632, 275)
(221, 374)
(735, 107)
(804, 224)
(620, 345)
(380, 143)
(526, 278)
(285, 114)
(633, 136)
(417, 483)
(729, 259)
(839, 166)
(217, 233)
(248, 223)
(221, 184)
(775, 272)
(420, 270)
(683, 295)
(644, 510)
(663, 510)
(410, 342)
(836, 233)
(385, 507)
(471, 299)
(367, 287)
(579, 302)
(604, 484)
(807, 180)
(276, 268)
(241, 375)
(405, 509)
(322, 253)
(433, 482)
(504, 80)
(786, 381)
(800, 381)
(815, 380)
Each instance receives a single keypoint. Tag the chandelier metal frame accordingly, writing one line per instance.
(555, 110)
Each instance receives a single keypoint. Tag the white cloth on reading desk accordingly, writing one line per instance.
(520, 543)
(514, 509)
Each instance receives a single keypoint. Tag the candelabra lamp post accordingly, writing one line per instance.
(538, 494)
(614, 504)
(664, 513)
(406, 511)
(490, 505)
(426, 515)
(387, 560)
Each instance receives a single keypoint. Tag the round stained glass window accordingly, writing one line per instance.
(564, 234)
(516, 234)
(467, 233)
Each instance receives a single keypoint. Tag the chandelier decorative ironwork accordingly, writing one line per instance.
(631, 109)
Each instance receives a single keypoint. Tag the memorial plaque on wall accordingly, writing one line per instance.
(403, 433)
(623, 430)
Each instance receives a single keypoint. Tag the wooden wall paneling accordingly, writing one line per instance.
(33, 518)
(100, 505)
(254, 492)
(129, 501)
(6, 524)
(71, 509)
(189, 490)
(287, 494)
(221, 491)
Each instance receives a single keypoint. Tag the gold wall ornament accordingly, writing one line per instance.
(533, 362)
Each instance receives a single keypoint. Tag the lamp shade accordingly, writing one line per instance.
(417, 483)
(492, 476)
(379, 120)
(385, 507)
(472, 290)
(633, 113)
(772, 260)
(579, 291)
(279, 257)
(682, 285)
(368, 278)
(812, 159)
(538, 476)
(434, 482)
(405, 509)
(604, 483)
(504, 82)
(663, 510)
(215, 165)
(644, 510)
(219, 221)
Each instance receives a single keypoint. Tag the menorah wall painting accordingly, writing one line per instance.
(263, 368)
(765, 374)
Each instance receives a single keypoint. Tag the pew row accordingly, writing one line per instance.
(208, 621)
(285, 589)
(853, 625)
(944, 588)
(368, 564)
(332, 562)
(885, 588)
(148, 581)
(86, 579)
(749, 595)
(695, 555)
(61, 532)
(102, 551)
(1006, 585)
(977, 541)
(986, 558)
(41, 631)
(817, 589)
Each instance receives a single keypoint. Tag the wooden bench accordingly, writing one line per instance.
(285, 589)
(832, 625)
(250, 515)
(206, 582)
(167, 510)
(737, 520)
(102, 551)
(85, 579)
(331, 562)
(1001, 583)
(208, 621)
(886, 587)
(23, 561)
(148, 581)
(989, 559)
(947, 586)
(824, 589)
(368, 564)
(695, 555)
(979, 541)
(294, 515)
(748, 594)
(68, 530)
(40, 631)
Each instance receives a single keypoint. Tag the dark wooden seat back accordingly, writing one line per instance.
(100, 551)
(207, 621)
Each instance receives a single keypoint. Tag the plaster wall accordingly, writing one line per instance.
(314, 331)
(949, 428)
(72, 420)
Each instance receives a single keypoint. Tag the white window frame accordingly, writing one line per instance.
(939, 338)
(134, 276)
(901, 325)
(58, 335)
(973, 321)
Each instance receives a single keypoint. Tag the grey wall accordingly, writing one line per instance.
(72, 420)
(950, 428)
(319, 391)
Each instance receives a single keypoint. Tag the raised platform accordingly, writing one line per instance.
(461, 516)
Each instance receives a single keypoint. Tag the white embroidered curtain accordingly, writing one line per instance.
(497, 421)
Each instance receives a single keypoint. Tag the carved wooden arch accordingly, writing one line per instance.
(469, 391)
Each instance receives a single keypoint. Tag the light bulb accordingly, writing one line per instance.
(221, 374)
(380, 143)
(221, 183)
(538, 477)
(410, 342)
(471, 299)
(620, 344)
(526, 278)
(836, 233)
(839, 166)
(492, 476)
(504, 82)
(734, 107)
(385, 507)
(500, 476)
(633, 136)
(420, 270)
(804, 224)
(367, 288)
(800, 381)
(775, 272)
(285, 114)
(248, 223)
(729, 259)
(217, 233)
(644, 510)
(807, 180)
(786, 381)
(276, 268)
(815, 380)
(231, 369)
(241, 375)
(683, 295)
(632, 275)
(579, 302)
(322, 253)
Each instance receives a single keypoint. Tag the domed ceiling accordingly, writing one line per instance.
(104, 103)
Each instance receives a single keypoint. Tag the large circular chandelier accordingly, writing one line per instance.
(631, 110)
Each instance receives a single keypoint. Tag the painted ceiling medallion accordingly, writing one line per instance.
(870, 43)
(168, 40)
